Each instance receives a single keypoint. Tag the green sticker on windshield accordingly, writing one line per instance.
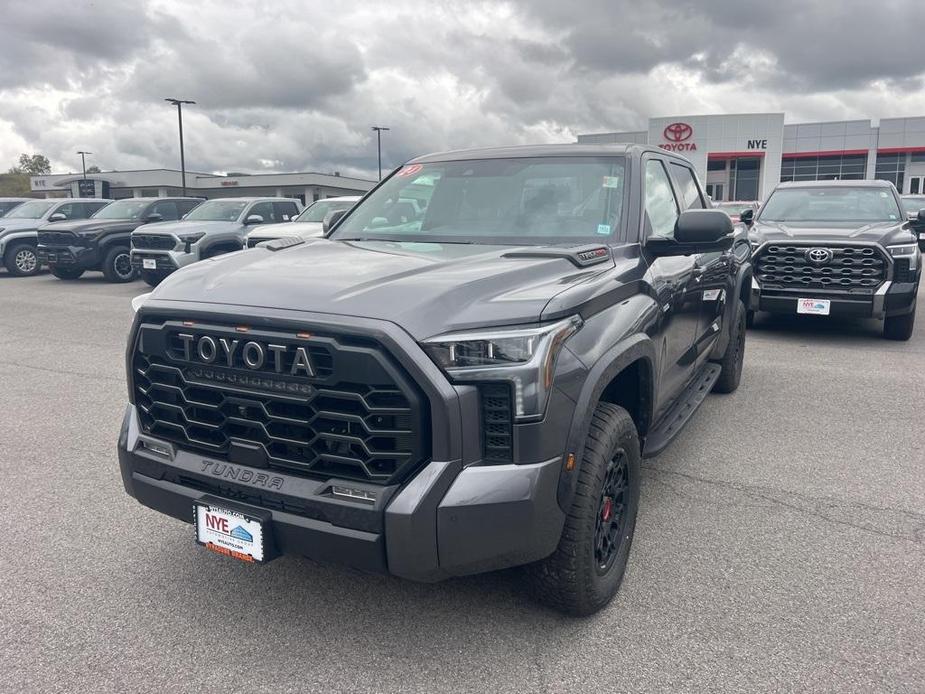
(611, 182)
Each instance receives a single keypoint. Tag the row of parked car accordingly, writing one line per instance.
(146, 237)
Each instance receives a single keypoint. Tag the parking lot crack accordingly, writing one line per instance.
(895, 523)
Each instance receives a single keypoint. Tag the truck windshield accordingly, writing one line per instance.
(217, 211)
(835, 204)
(30, 210)
(532, 201)
(317, 211)
(123, 209)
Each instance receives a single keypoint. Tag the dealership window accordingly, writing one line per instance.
(892, 168)
(837, 167)
(744, 174)
(716, 165)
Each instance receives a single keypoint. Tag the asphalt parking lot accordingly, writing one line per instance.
(780, 544)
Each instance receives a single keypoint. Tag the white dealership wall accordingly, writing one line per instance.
(734, 135)
(308, 186)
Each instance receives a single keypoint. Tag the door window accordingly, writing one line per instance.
(167, 210)
(661, 207)
(285, 211)
(688, 191)
(265, 210)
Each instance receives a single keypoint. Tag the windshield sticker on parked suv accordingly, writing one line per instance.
(603, 229)
(410, 170)
(611, 181)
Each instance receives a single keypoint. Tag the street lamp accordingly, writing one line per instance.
(379, 130)
(179, 104)
(83, 161)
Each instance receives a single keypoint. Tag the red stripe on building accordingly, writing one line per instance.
(899, 150)
(734, 155)
(826, 153)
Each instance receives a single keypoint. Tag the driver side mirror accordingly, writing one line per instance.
(57, 217)
(696, 231)
(331, 219)
(254, 219)
(920, 217)
(747, 217)
(155, 217)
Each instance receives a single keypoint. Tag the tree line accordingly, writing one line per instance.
(15, 182)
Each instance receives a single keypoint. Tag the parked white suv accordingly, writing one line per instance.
(214, 227)
(306, 225)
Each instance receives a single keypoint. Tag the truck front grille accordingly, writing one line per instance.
(783, 266)
(154, 242)
(359, 416)
(57, 238)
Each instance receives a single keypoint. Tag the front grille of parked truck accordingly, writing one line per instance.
(360, 416)
(787, 266)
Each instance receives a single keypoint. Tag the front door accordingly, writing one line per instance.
(676, 289)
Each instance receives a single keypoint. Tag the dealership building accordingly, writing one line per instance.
(306, 187)
(742, 157)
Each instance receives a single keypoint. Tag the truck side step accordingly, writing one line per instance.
(664, 433)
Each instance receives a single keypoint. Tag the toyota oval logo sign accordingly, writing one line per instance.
(677, 136)
(678, 132)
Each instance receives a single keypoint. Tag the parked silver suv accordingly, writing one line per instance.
(19, 229)
(214, 227)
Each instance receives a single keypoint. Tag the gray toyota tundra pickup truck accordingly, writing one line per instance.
(466, 387)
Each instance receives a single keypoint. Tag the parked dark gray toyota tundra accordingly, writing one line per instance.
(461, 389)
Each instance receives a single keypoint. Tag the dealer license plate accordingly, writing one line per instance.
(814, 307)
(149, 263)
(231, 533)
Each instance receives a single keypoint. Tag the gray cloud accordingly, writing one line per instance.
(287, 86)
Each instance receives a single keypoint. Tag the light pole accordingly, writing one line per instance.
(379, 130)
(179, 104)
(83, 161)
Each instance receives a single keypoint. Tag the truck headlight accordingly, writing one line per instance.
(524, 357)
(906, 250)
(90, 234)
(187, 240)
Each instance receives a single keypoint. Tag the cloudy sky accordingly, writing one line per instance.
(294, 85)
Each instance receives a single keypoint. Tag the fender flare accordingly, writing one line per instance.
(634, 348)
(28, 234)
(743, 278)
(231, 244)
(117, 238)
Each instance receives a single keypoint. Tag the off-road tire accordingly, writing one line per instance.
(899, 327)
(22, 259)
(66, 273)
(731, 364)
(571, 579)
(117, 265)
(152, 278)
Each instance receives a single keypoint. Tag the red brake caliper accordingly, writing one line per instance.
(608, 508)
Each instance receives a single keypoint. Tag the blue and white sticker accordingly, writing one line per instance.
(603, 229)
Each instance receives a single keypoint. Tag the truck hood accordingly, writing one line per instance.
(78, 225)
(184, 227)
(427, 288)
(884, 233)
(11, 225)
(304, 230)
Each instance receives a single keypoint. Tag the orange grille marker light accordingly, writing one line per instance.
(242, 329)
(188, 323)
(304, 336)
(570, 462)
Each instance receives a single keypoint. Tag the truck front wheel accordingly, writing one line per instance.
(22, 259)
(732, 361)
(117, 266)
(585, 571)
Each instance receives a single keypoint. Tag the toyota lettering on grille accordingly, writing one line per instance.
(255, 355)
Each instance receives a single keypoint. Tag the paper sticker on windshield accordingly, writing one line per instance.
(410, 170)
(603, 229)
(611, 182)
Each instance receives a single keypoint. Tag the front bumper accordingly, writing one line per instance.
(166, 261)
(70, 256)
(890, 299)
(447, 520)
